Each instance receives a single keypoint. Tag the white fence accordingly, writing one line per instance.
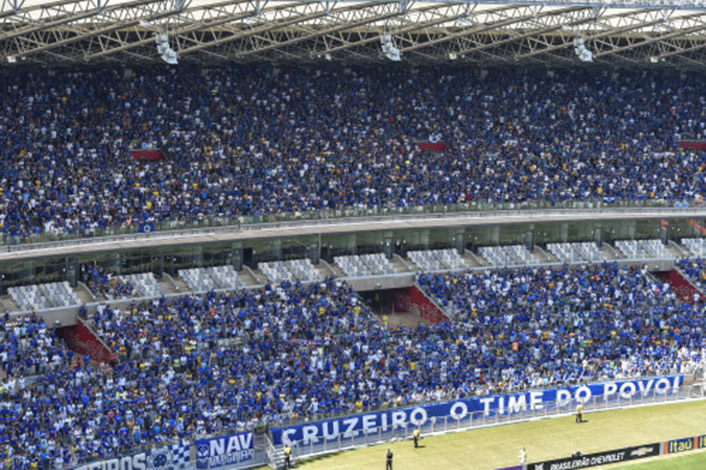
(264, 452)
(478, 419)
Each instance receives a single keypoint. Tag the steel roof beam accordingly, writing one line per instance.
(681, 50)
(526, 35)
(259, 30)
(81, 35)
(489, 27)
(413, 26)
(651, 40)
(317, 33)
(195, 26)
(10, 7)
(35, 14)
(601, 34)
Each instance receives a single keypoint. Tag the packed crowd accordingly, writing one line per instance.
(245, 141)
(28, 347)
(537, 327)
(106, 285)
(695, 270)
(205, 365)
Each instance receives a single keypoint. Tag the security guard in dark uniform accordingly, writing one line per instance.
(388, 464)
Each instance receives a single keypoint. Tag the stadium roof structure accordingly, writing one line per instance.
(620, 32)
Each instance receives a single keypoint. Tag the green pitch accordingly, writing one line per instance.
(499, 446)
(691, 461)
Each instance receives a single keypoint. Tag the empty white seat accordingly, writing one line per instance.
(576, 252)
(697, 246)
(226, 276)
(640, 249)
(43, 296)
(197, 279)
(510, 255)
(144, 284)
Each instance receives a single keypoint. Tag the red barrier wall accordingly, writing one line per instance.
(400, 300)
(82, 340)
(680, 284)
(427, 309)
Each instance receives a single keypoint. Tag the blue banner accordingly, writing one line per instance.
(476, 408)
(147, 227)
(226, 450)
(173, 457)
(685, 444)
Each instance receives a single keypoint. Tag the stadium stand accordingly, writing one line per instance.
(28, 348)
(202, 365)
(43, 296)
(290, 271)
(281, 137)
(226, 277)
(60, 294)
(377, 263)
(697, 246)
(277, 272)
(198, 279)
(576, 252)
(509, 255)
(437, 260)
(303, 270)
(636, 249)
(364, 265)
(105, 284)
(241, 152)
(29, 297)
(144, 284)
(695, 270)
(532, 312)
(353, 266)
(226, 362)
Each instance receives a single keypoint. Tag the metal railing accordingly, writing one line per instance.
(175, 225)
(303, 449)
(266, 453)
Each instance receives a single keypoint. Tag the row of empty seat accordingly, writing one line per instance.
(697, 246)
(437, 260)
(290, 271)
(60, 294)
(197, 279)
(510, 255)
(28, 297)
(643, 249)
(42, 296)
(576, 252)
(364, 265)
(352, 266)
(208, 279)
(145, 285)
(226, 277)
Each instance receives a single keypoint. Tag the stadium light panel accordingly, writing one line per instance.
(170, 57)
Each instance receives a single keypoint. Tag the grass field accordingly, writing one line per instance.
(692, 461)
(494, 447)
